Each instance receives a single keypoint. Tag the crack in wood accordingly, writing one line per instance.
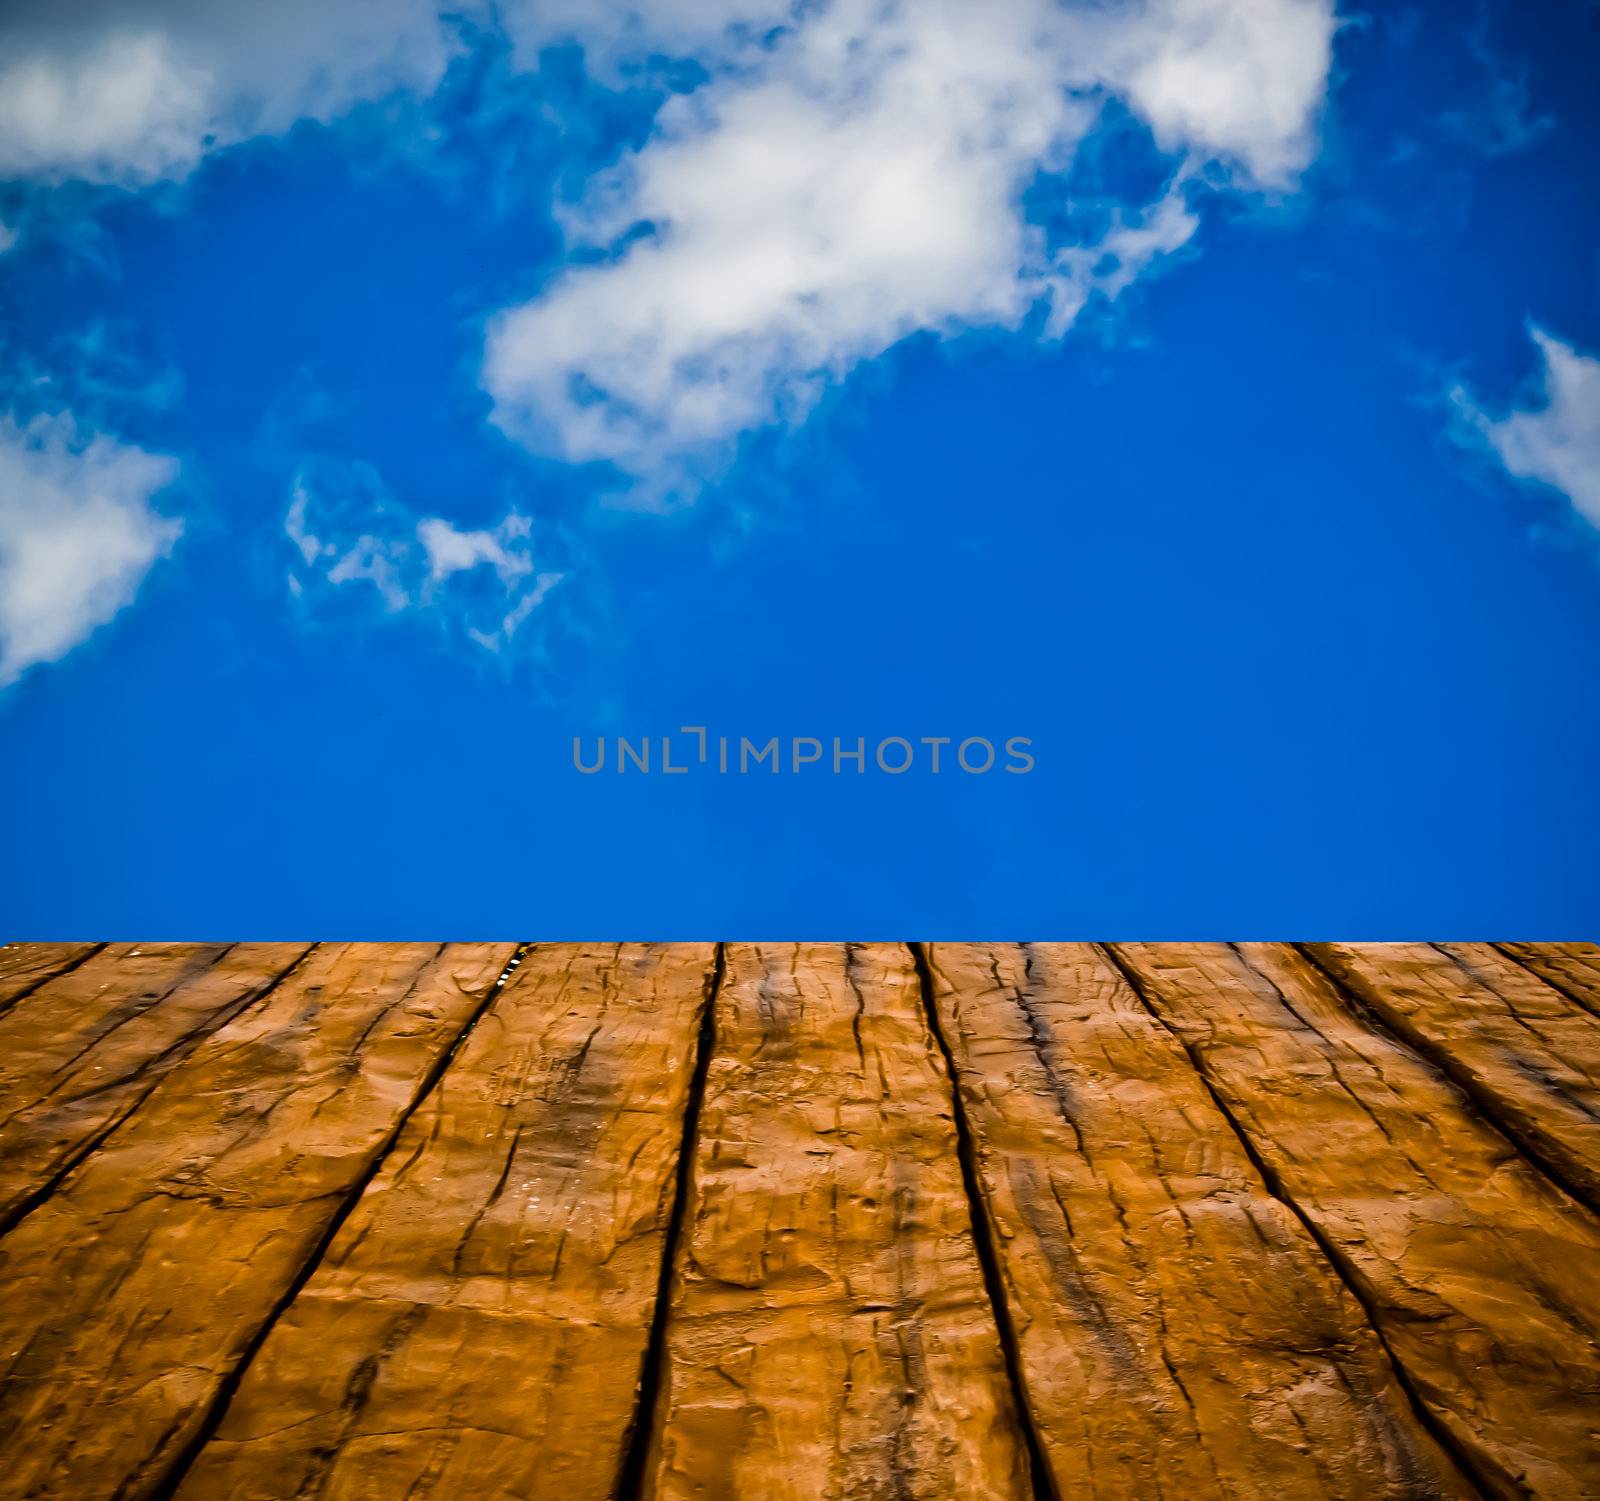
(1043, 1478)
(630, 1484)
(166, 1486)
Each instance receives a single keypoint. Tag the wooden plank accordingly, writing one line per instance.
(133, 1291)
(119, 988)
(829, 1334)
(25, 966)
(104, 991)
(478, 1326)
(1528, 1056)
(79, 1055)
(1179, 1331)
(1481, 1275)
(1573, 968)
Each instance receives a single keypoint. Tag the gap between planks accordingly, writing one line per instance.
(168, 1485)
(1335, 1258)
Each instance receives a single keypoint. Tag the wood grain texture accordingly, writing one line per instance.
(830, 1333)
(1573, 968)
(136, 1287)
(24, 966)
(478, 1326)
(1179, 1330)
(67, 1014)
(810, 1222)
(1527, 1054)
(81, 1053)
(1479, 1273)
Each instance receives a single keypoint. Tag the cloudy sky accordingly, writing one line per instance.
(1207, 390)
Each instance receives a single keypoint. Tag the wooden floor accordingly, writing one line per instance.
(792, 1222)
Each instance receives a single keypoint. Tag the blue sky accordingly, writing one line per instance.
(1207, 392)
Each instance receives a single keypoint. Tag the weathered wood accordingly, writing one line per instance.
(264, 1203)
(117, 990)
(478, 1325)
(79, 1055)
(830, 1334)
(1179, 1330)
(1483, 1277)
(78, 1006)
(25, 966)
(133, 1291)
(1528, 1055)
(1573, 968)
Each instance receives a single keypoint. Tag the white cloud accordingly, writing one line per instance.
(449, 550)
(1556, 441)
(849, 173)
(9, 235)
(77, 535)
(858, 178)
(1240, 80)
(132, 91)
(484, 584)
